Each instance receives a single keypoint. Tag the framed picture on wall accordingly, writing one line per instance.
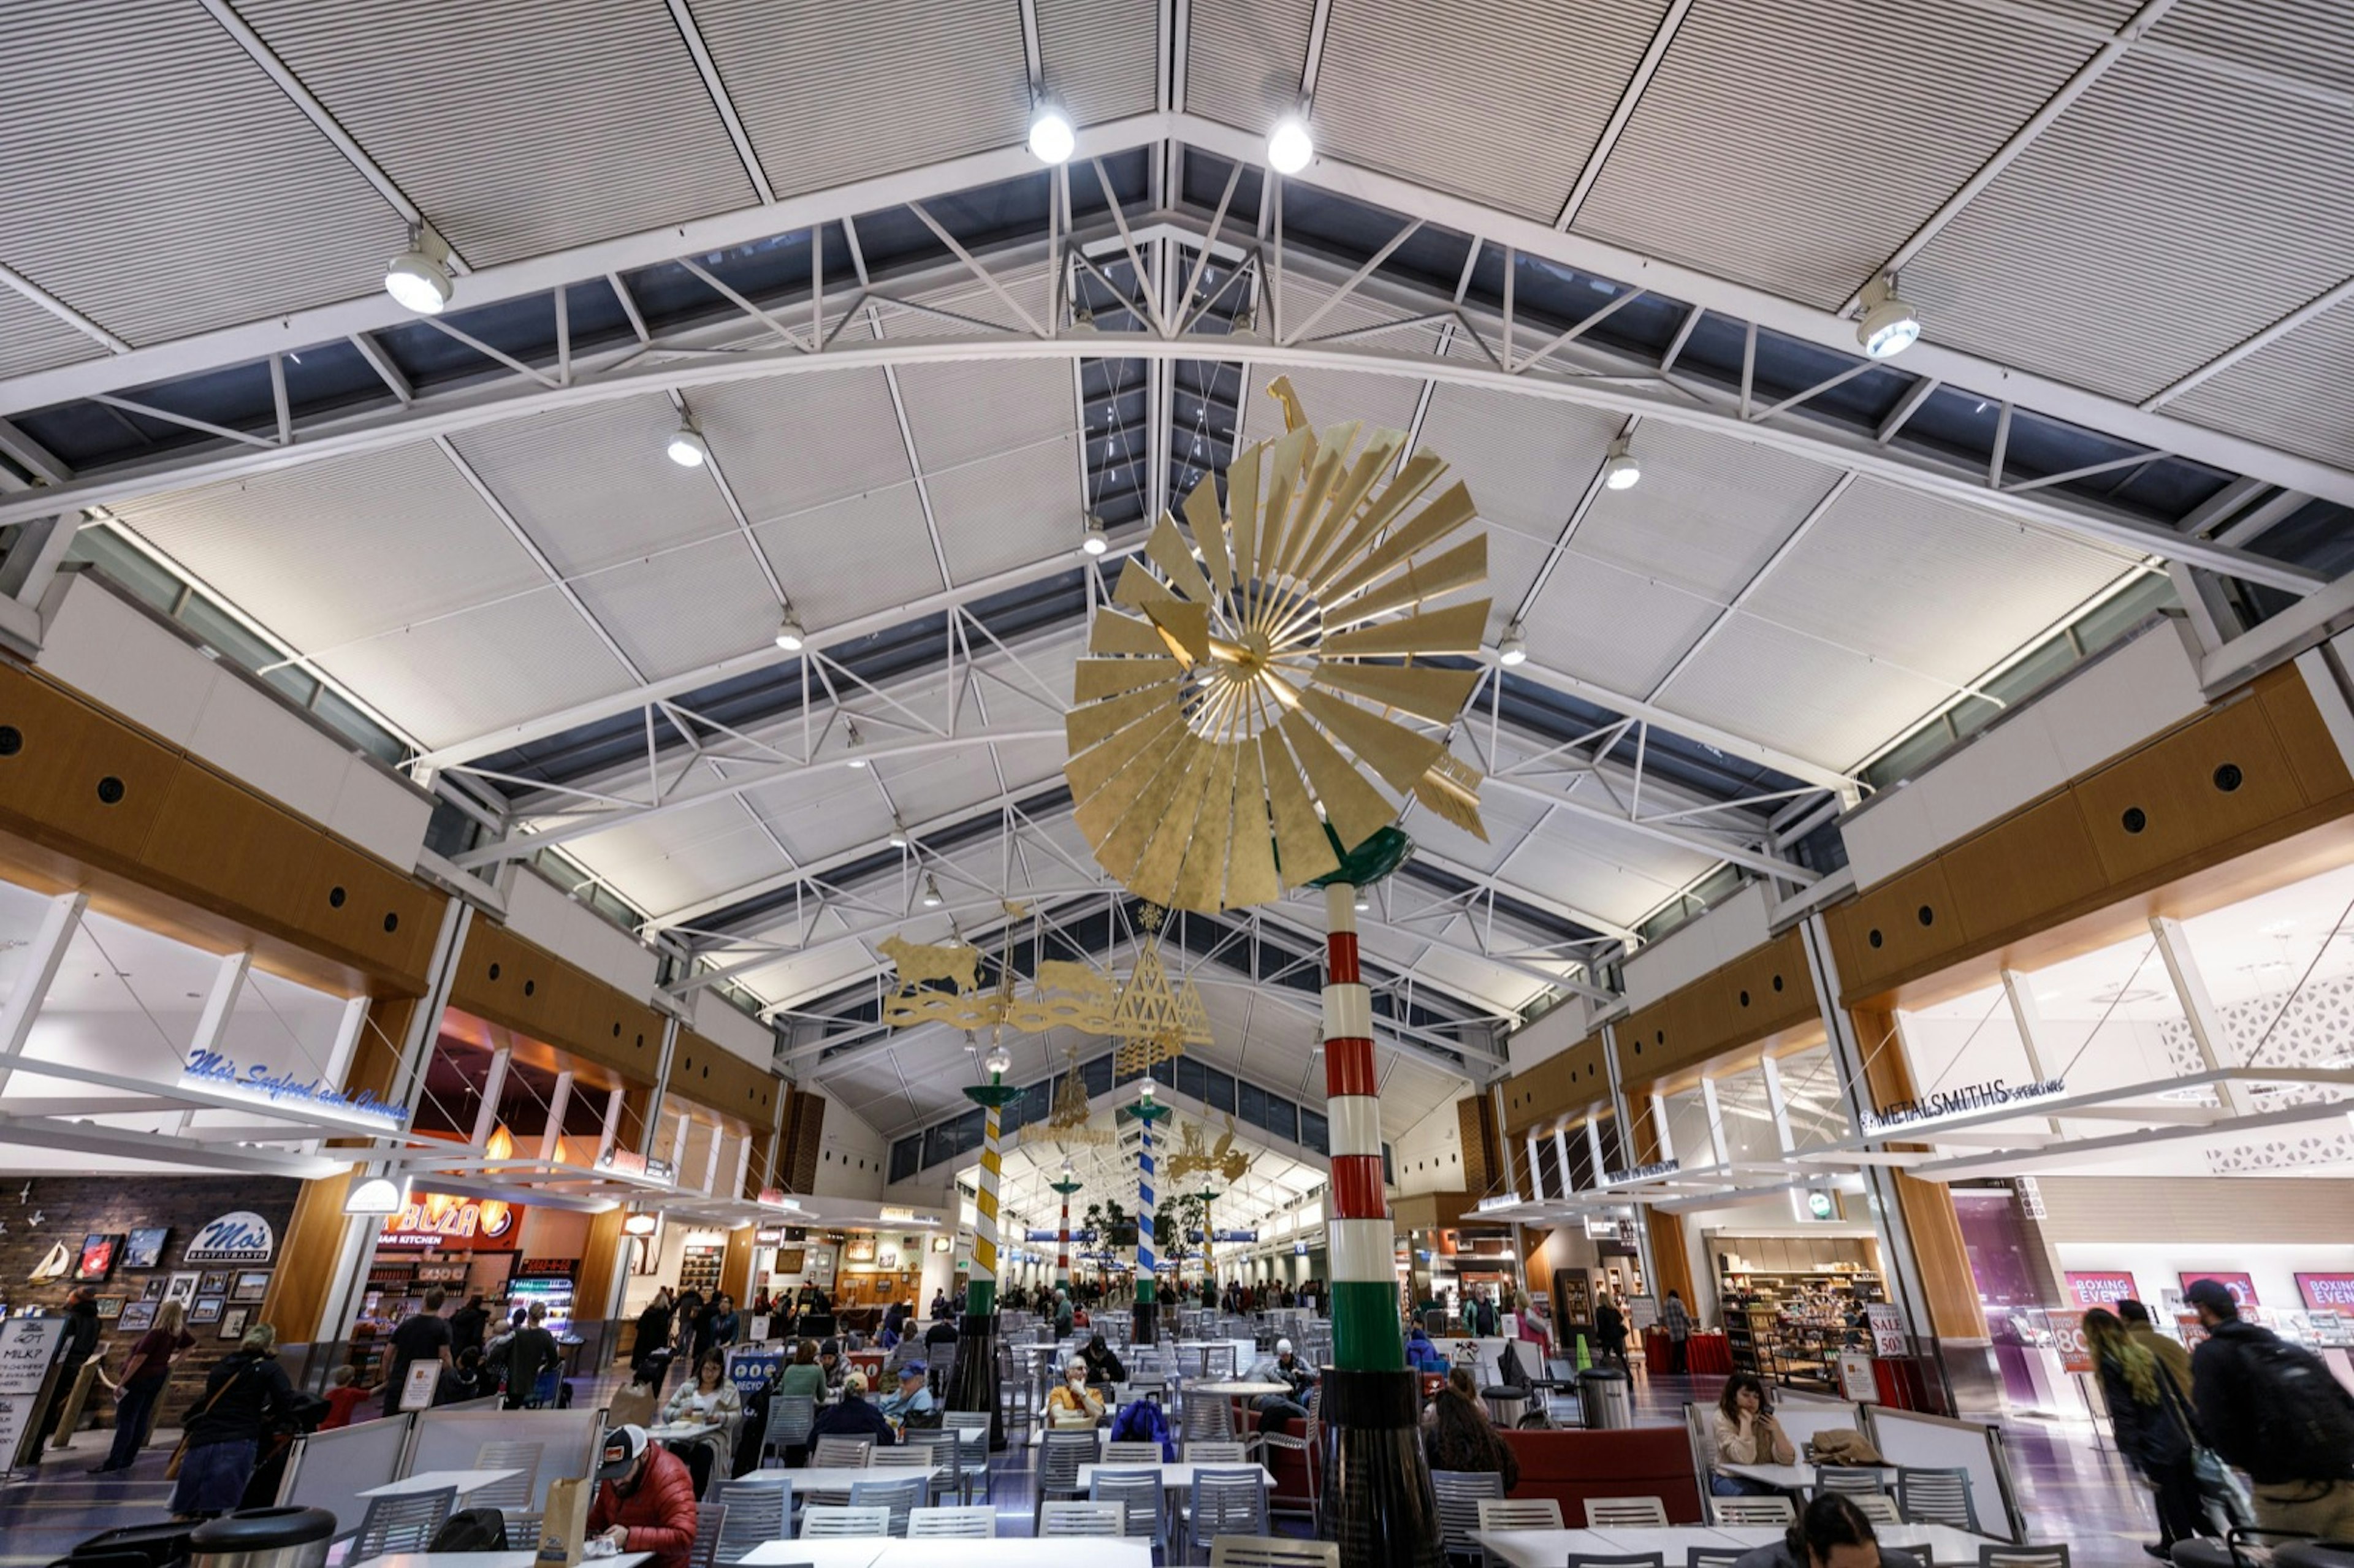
(152, 1288)
(138, 1317)
(790, 1258)
(110, 1307)
(145, 1248)
(859, 1249)
(252, 1283)
(99, 1251)
(181, 1288)
(213, 1282)
(232, 1322)
(205, 1310)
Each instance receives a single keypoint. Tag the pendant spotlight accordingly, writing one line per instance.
(686, 447)
(856, 740)
(899, 839)
(1888, 326)
(790, 635)
(1619, 469)
(1052, 140)
(1514, 649)
(1091, 538)
(931, 891)
(418, 278)
(1289, 148)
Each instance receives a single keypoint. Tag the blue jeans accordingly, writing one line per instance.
(132, 1413)
(1726, 1485)
(212, 1476)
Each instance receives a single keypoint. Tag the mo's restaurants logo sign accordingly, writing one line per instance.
(440, 1219)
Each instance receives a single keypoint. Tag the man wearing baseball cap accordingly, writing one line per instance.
(2274, 1409)
(645, 1499)
(914, 1398)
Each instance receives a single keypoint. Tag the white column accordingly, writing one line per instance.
(46, 952)
(1778, 1107)
(347, 1039)
(1561, 1152)
(1659, 1125)
(1594, 1146)
(494, 1087)
(2198, 1007)
(2028, 1018)
(1536, 1176)
(557, 1103)
(611, 1131)
(1715, 1114)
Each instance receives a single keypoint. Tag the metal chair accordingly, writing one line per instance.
(1520, 1513)
(1066, 1515)
(971, 1427)
(710, 1526)
(1634, 1559)
(403, 1523)
(1877, 1507)
(820, 1523)
(856, 1453)
(1218, 1362)
(516, 1490)
(2054, 1556)
(1852, 1479)
(1216, 1453)
(1752, 1510)
(1060, 1455)
(901, 1498)
(790, 1415)
(1307, 1443)
(1226, 1503)
(945, 1448)
(1712, 1556)
(523, 1527)
(1132, 1452)
(1141, 1494)
(1460, 1493)
(1273, 1551)
(1938, 1496)
(1629, 1513)
(758, 1512)
(978, 1523)
(1208, 1417)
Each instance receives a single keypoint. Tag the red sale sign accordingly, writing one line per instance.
(2068, 1339)
(2101, 1289)
(2327, 1292)
(2241, 1287)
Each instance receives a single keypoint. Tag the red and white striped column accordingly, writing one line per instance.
(1362, 1240)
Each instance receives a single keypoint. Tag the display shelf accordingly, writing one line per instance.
(1788, 1325)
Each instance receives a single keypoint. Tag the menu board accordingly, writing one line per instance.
(27, 1346)
(2241, 1287)
(2101, 1288)
(2327, 1292)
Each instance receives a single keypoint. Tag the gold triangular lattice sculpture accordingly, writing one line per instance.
(1264, 667)
(1153, 1020)
(1071, 1121)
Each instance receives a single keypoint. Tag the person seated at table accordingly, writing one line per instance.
(829, 1362)
(645, 1499)
(1458, 1436)
(711, 1397)
(852, 1416)
(913, 1402)
(1831, 1534)
(1422, 1355)
(939, 1307)
(1073, 1403)
(1103, 1366)
(1287, 1369)
(943, 1331)
(1747, 1434)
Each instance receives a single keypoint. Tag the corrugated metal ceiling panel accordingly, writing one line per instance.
(1942, 590)
(849, 558)
(1618, 874)
(1098, 56)
(2167, 215)
(156, 180)
(448, 679)
(590, 484)
(1710, 510)
(1395, 85)
(1526, 460)
(2296, 393)
(1618, 628)
(671, 861)
(793, 442)
(32, 339)
(1244, 58)
(344, 547)
(1764, 151)
(519, 130)
(2312, 41)
(803, 76)
(1818, 701)
(684, 609)
(1007, 512)
(1330, 397)
(966, 409)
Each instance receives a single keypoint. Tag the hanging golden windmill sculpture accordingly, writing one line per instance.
(1208, 727)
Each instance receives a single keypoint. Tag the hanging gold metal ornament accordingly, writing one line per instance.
(1209, 726)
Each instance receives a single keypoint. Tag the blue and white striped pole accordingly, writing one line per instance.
(1148, 1110)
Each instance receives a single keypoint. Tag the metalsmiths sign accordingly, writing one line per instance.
(212, 1071)
(1501, 1200)
(1651, 1172)
(1947, 1105)
(241, 1236)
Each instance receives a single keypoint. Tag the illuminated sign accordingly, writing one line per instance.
(212, 1071)
(433, 1219)
(2102, 1289)
(2327, 1292)
(1501, 1200)
(1651, 1172)
(241, 1236)
(2241, 1287)
(1950, 1105)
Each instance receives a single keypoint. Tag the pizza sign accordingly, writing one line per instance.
(242, 1236)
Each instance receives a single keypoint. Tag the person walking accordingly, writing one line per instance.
(1610, 1333)
(647, 1366)
(2273, 1410)
(531, 1352)
(466, 1325)
(144, 1377)
(2171, 1357)
(2153, 1429)
(246, 1391)
(421, 1337)
(1676, 1319)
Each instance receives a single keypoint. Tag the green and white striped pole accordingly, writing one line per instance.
(975, 1386)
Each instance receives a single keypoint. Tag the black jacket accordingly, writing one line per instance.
(653, 1332)
(854, 1418)
(252, 1391)
(2225, 1390)
(466, 1328)
(2154, 1436)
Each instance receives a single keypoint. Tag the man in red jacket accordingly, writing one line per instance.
(646, 1502)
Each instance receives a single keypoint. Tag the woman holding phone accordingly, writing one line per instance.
(1747, 1434)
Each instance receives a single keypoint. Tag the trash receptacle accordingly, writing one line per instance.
(264, 1538)
(1606, 1397)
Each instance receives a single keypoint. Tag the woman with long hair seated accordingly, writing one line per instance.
(1458, 1436)
(1747, 1434)
(1831, 1534)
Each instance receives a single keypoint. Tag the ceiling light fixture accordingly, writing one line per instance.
(899, 832)
(1888, 326)
(856, 740)
(1052, 140)
(418, 278)
(790, 635)
(640, 1225)
(686, 446)
(998, 1063)
(376, 1195)
(1289, 148)
(931, 891)
(1514, 649)
(1091, 537)
(1619, 469)
(1364, 903)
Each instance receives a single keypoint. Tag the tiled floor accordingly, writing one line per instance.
(2070, 1483)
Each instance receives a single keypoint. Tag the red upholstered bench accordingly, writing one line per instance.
(1634, 1462)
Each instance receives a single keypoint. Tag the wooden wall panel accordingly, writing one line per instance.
(1929, 1218)
(1483, 1167)
(2304, 739)
(1564, 1085)
(707, 1073)
(597, 1291)
(297, 1295)
(2041, 859)
(66, 751)
(2166, 801)
(1671, 1257)
(1904, 923)
(804, 1136)
(522, 986)
(1764, 992)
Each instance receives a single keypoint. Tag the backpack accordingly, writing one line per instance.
(1140, 1421)
(472, 1530)
(2303, 1423)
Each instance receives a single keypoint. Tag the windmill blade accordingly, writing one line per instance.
(1452, 510)
(1458, 629)
(1209, 527)
(1421, 471)
(1108, 677)
(1242, 514)
(1283, 464)
(1331, 467)
(1451, 790)
(1203, 877)
(1090, 769)
(1083, 728)
(1399, 755)
(1459, 567)
(1306, 854)
(1170, 553)
(1106, 807)
(1354, 808)
(1185, 627)
(1116, 634)
(1418, 689)
(1125, 844)
(1251, 876)
(1347, 497)
(1154, 877)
